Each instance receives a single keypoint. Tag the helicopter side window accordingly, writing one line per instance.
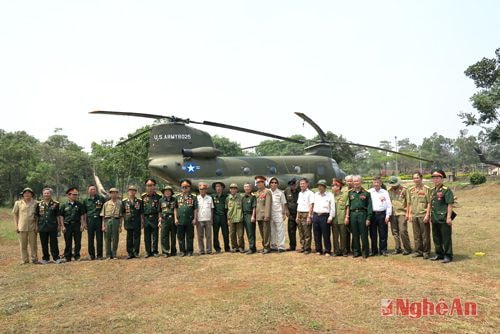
(297, 169)
(246, 170)
(321, 170)
(219, 172)
(272, 170)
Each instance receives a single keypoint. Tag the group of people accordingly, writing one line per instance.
(349, 212)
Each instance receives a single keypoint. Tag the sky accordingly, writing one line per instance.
(366, 70)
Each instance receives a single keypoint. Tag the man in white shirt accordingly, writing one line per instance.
(278, 213)
(205, 219)
(304, 216)
(382, 210)
(323, 213)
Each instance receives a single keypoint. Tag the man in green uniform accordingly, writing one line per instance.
(220, 217)
(263, 207)
(186, 219)
(399, 224)
(93, 205)
(112, 223)
(234, 203)
(349, 186)
(441, 216)
(133, 221)
(338, 226)
(418, 213)
(248, 206)
(72, 214)
(292, 195)
(168, 206)
(47, 211)
(358, 216)
(151, 203)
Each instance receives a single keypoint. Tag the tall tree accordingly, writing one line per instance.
(227, 146)
(486, 76)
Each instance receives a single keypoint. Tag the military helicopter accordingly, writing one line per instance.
(178, 151)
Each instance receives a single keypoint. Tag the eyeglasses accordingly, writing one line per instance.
(273, 182)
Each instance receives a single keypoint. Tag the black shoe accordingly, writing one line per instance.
(130, 257)
(250, 252)
(156, 254)
(290, 249)
(182, 254)
(356, 255)
(372, 254)
(147, 255)
(436, 258)
(365, 257)
(241, 250)
(190, 254)
(406, 253)
(266, 251)
(384, 253)
(396, 252)
(335, 254)
(227, 250)
(218, 251)
(418, 255)
(345, 255)
(165, 255)
(300, 251)
(426, 257)
(446, 260)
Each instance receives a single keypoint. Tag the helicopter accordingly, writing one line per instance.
(178, 151)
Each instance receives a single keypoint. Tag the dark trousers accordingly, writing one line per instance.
(220, 222)
(357, 220)
(168, 236)
(133, 241)
(250, 228)
(185, 235)
(321, 230)
(441, 235)
(292, 230)
(94, 230)
(45, 238)
(72, 233)
(378, 232)
(151, 236)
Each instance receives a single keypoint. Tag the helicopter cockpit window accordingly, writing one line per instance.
(218, 172)
(297, 169)
(246, 170)
(321, 170)
(272, 170)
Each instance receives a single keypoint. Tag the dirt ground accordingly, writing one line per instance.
(234, 293)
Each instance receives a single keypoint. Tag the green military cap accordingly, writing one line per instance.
(132, 188)
(28, 189)
(114, 190)
(233, 185)
(321, 183)
(168, 188)
(394, 181)
(218, 182)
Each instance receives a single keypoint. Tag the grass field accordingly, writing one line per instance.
(233, 293)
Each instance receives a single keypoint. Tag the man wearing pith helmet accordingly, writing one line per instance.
(168, 205)
(441, 217)
(132, 212)
(151, 202)
(263, 212)
(187, 217)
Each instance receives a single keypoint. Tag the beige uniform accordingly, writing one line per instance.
(418, 201)
(263, 215)
(27, 227)
(112, 213)
(399, 225)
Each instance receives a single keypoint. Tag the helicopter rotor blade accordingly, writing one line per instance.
(381, 149)
(123, 142)
(321, 133)
(122, 113)
(255, 132)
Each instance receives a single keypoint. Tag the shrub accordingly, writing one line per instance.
(477, 178)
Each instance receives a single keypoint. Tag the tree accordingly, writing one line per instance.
(62, 164)
(18, 156)
(486, 76)
(439, 149)
(272, 147)
(227, 146)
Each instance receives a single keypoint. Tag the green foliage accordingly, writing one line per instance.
(486, 76)
(273, 147)
(477, 178)
(228, 147)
